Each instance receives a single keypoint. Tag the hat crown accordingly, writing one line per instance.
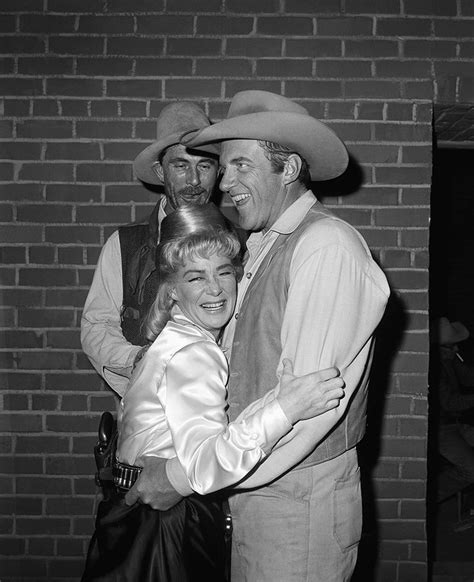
(254, 101)
(179, 117)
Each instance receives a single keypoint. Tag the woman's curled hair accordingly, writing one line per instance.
(179, 245)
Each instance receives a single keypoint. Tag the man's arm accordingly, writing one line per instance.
(336, 299)
(101, 335)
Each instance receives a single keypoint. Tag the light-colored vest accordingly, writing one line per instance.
(256, 349)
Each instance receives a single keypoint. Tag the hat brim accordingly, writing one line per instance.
(143, 163)
(315, 142)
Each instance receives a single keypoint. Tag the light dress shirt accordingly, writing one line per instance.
(336, 298)
(101, 334)
(175, 406)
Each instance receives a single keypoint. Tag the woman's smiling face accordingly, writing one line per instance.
(205, 290)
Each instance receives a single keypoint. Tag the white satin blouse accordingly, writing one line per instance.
(175, 405)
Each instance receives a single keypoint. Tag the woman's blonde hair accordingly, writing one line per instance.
(188, 233)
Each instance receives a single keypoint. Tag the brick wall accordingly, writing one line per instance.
(83, 82)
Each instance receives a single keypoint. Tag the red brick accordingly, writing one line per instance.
(45, 65)
(453, 28)
(72, 151)
(43, 171)
(372, 7)
(34, 569)
(400, 27)
(254, 47)
(14, 254)
(249, 6)
(65, 297)
(142, 6)
(192, 88)
(34, 128)
(13, 547)
(20, 87)
(45, 402)
(45, 360)
(77, 192)
(104, 129)
(21, 339)
(402, 216)
(130, 193)
(46, 108)
(408, 279)
(74, 506)
(133, 108)
(70, 86)
(74, 108)
(284, 25)
(344, 68)
(7, 66)
(104, 66)
(73, 382)
(234, 86)
(20, 381)
(323, 89)
(311, 47)
(46, 23)
(44, 213)
(22, 44)
(16, 107)
(118, 45)
(68, 465)
(99, 24)
(74, 402)
(104, 108)
(67, 568)
(41, 547)
(226, 67)
(368, 88)
(76, 45)
(21, 234)
(104, 214)
(403, 175)
(41, 526)
(165, 24)
(430, 49)
(6, 129)
(104, 173)
(15, 402)
(344, 27)
(75, 5)
(71, 255)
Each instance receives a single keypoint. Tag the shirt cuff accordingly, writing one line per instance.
(177, 477)
(275, 425)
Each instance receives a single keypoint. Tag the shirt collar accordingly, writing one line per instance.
(178, 317)
(294, 214)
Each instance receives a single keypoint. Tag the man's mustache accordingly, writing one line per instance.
(191, 191)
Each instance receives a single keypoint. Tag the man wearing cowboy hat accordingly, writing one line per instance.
(454, 382)
(125, 279)
(311, 293)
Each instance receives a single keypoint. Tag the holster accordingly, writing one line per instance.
(104, 452)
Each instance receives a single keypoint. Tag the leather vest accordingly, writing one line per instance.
(257, 348)
(139, 275)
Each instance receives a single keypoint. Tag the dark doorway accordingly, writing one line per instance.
(450, 527)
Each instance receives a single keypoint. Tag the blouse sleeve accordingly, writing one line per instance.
(212, 454)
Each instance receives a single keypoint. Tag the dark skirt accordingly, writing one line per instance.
(141, 544)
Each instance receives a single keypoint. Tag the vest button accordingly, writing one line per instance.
(236, 316)
(249, 275)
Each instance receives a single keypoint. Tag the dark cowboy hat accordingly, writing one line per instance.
(267, 116)
(173, 121)
(449, 332)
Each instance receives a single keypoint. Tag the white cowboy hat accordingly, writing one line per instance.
(267, 116)
(173, 121)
